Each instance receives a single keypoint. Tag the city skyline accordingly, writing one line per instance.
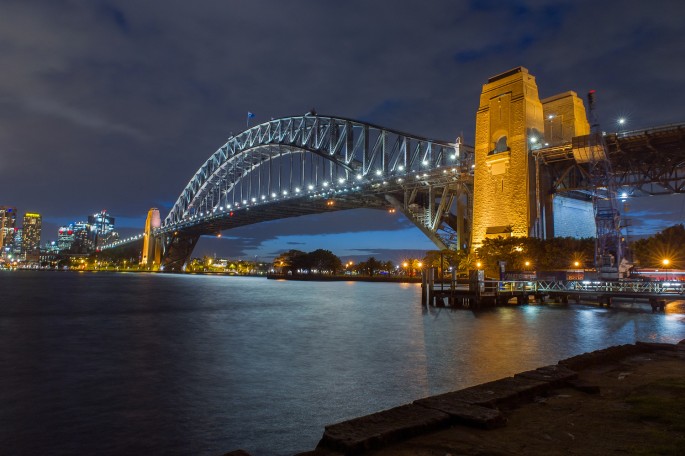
(131, 99)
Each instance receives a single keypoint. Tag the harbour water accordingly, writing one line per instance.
(111, 364)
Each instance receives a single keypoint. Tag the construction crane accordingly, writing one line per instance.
(609, 248)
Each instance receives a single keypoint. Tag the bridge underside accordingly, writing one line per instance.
(645, 162)
(427, 206)
(179, 244)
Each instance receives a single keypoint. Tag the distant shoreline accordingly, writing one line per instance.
(336, 278)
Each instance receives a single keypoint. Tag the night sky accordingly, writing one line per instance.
(115, 104)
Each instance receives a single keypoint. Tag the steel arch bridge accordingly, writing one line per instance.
(312, 164)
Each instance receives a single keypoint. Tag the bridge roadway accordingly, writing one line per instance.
(494, 292)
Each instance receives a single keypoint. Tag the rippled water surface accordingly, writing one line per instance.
(116, 364)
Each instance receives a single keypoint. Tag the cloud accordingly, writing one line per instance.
(79, 118)
(128, 99)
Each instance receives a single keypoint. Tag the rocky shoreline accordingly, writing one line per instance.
(626, 398)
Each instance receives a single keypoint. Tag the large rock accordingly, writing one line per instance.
(555, 375)
(507, 391)
(374, 431)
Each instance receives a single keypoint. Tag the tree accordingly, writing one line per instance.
(370, 267)
(324, 261)
(455, 259)
(291, 261)
(539, 254)
(669, 244)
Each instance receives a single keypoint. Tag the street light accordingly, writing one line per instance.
(665, 262)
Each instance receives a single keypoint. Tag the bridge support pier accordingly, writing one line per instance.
(176, 250)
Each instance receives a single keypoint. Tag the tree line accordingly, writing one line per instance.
(518, 253)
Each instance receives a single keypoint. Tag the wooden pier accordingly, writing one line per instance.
(475, 292)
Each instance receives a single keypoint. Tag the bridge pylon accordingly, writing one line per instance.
(509, 120)
(151, 254)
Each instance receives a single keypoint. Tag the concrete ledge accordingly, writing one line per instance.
(508, 391)
(656, 346)
(555, 375)
(377, 430)
(463, 413)
(321, 452)
(607, 355)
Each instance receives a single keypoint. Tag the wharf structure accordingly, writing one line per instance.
(477, 293)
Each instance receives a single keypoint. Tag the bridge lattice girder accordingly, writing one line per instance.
(348, 151)
(650, 162)
(313, 164)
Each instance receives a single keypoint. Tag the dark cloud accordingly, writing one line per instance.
(116, 103)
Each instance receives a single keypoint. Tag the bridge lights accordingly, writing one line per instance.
(263, 197)
(424, 163)
(273, 195)
(400, 168)
(285, 192)
(359, 177)
(310, 187)
(325, 184)
(341, 180)
(379, 172)
(297, 189)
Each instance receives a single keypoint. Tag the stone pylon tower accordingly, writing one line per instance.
(151, 245)
(506, 188)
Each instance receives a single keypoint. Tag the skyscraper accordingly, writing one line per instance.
(102, 229)
(8, 220)
(30, 239)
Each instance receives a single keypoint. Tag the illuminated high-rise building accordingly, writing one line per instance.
(8, 221)
(65, 237)
(16, 244)
(30, 239)
(102, 229)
